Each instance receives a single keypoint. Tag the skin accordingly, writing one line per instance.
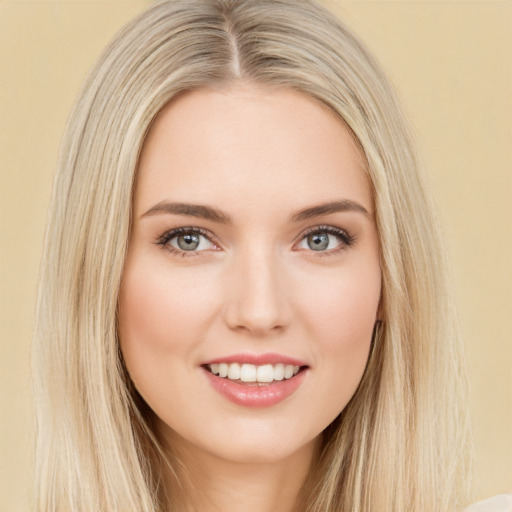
(252, 286)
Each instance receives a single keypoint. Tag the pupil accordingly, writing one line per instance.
(318, 241)
(188, 242)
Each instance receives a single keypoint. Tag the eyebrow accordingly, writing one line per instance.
(192, 210)
(346, 205)
(215, 215)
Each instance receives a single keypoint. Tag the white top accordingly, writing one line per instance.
(499, 503)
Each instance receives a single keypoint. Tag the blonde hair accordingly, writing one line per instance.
(400, 442)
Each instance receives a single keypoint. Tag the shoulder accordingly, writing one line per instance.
(499, 503)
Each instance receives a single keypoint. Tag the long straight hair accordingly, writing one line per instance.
(400, 442)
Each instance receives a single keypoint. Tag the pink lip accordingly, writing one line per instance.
(254, 395)
(256, 359)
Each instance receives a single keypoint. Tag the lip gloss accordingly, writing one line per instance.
(253, 394)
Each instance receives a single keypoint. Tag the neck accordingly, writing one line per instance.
(208, 483)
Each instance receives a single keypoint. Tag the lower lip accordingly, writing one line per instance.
(256, 395)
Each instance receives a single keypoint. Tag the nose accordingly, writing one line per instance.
(258, 301)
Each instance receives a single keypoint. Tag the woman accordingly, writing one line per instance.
(243, 302)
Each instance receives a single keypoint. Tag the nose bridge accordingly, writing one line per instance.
(258, 299)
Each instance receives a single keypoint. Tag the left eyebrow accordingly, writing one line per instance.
(346, 205)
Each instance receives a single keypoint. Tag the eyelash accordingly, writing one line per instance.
(346, 240)
(172, 233)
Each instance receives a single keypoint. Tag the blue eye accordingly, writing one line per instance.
(186, 240)
(325, 239)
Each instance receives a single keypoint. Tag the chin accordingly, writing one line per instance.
(254, 444)
(247, 452)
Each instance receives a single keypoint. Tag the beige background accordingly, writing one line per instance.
(452, 63)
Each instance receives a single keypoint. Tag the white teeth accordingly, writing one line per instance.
(248, 373)
(223, 369)
(234, 371)
(279, 371)
(288, 371)
(265, 373)
(251, 373)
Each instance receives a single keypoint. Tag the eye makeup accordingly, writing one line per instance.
(318, 243)
(191, 241)
(190, 236)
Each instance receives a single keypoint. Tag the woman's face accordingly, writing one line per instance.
(254, 252)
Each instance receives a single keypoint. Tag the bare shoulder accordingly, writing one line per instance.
(499, 503)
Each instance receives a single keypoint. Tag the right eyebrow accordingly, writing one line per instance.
(192, 210)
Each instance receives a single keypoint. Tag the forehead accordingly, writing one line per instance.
(248, 144)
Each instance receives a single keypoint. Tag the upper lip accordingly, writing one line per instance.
(256, 359)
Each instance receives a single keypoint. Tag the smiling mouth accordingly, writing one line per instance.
(254, 374)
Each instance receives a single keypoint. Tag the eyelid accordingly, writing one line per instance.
(168, 235)
(344, 237)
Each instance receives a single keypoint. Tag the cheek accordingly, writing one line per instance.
(161, 308)
(142, 325)
(342, 308)
(159, 325)
(340, 317)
